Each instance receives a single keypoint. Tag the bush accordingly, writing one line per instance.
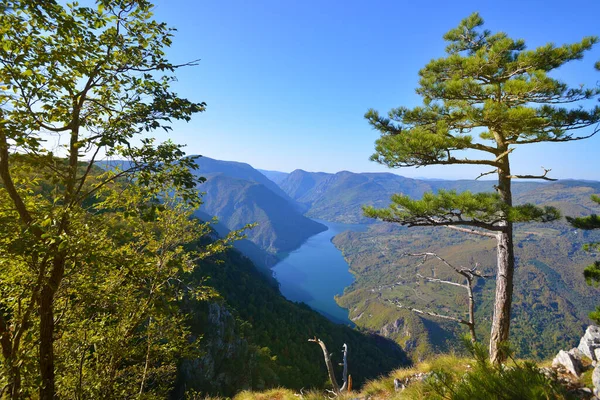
(516, 381)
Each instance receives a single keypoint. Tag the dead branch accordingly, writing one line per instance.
(472, 231)
(345, 371)
(543, 176)
(336, 387)
(430, 313)
(468, 273)
(487, 173)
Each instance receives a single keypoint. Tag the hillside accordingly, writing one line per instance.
(253, 338)
(237, 202)
(233, 169)
(551, 301)
(275, 176)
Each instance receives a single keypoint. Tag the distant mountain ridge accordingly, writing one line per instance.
(238, 194)
(234, 169)
(275, 176)
(339, 197)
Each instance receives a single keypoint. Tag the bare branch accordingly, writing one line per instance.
(487, 173)
(472, 231)
(442, 281)
(432, 314)
(543, 176)
(336, 387)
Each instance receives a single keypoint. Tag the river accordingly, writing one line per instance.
(316, 272)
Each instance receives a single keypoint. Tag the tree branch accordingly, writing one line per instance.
(432, 314)
(487, 173)
(328, 363)
(472, 231)
(543, 176)
(442, 281)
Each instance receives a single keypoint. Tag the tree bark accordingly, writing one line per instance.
(336, 387)
(505, 269)
(503, 300)
(46, 344)
(345, 370)
(471, 310)
(46, 311)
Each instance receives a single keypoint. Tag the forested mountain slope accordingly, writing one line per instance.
(551, 298)
(237, 202)
(253, 338)
(234, 169)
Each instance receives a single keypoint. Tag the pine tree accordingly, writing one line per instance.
(491, 86)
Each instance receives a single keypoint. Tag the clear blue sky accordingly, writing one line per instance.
(287, 82)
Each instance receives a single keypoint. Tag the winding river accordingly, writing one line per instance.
(316, 272)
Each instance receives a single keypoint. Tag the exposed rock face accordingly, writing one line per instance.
(225, 365)
(401, 328)
(590, 342)
(569, 361)
(596, 381)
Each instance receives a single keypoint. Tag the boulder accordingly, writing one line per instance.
(570, 362)
(596, 380)
(398, 385)
(590, 342)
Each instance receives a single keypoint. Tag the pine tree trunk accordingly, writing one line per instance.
(503, 300)
(505, 269)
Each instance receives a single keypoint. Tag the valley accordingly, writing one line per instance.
(317, 272)
(550, 300)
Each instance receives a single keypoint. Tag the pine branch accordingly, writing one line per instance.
(472, 231)
(487, 173)
(428, 279)
(431, 313)
(543, 176)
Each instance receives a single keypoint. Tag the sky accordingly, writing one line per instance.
(287, 82)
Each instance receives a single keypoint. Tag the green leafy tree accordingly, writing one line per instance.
(591, 272)
(487, 96)
(79, 83)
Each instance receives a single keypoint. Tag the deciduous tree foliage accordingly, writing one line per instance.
(90, 259)
(591, 272)
(489, 94)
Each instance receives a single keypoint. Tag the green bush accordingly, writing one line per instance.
(515, 381)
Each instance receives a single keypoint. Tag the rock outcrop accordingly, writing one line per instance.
(570, 361)
(590, 342)
(577, 360)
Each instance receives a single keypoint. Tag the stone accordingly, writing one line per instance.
(398, 385)
(567, 360)
(590, 342)
(597, 353)
(575, 352)
(596, 380)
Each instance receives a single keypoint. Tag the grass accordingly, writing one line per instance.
(452, 377)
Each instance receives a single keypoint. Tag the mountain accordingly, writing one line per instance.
(275, 176)
(551, 299)
(253, 338)
(237, 202)
(339, 197)
(234, 169)
(261, 259)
